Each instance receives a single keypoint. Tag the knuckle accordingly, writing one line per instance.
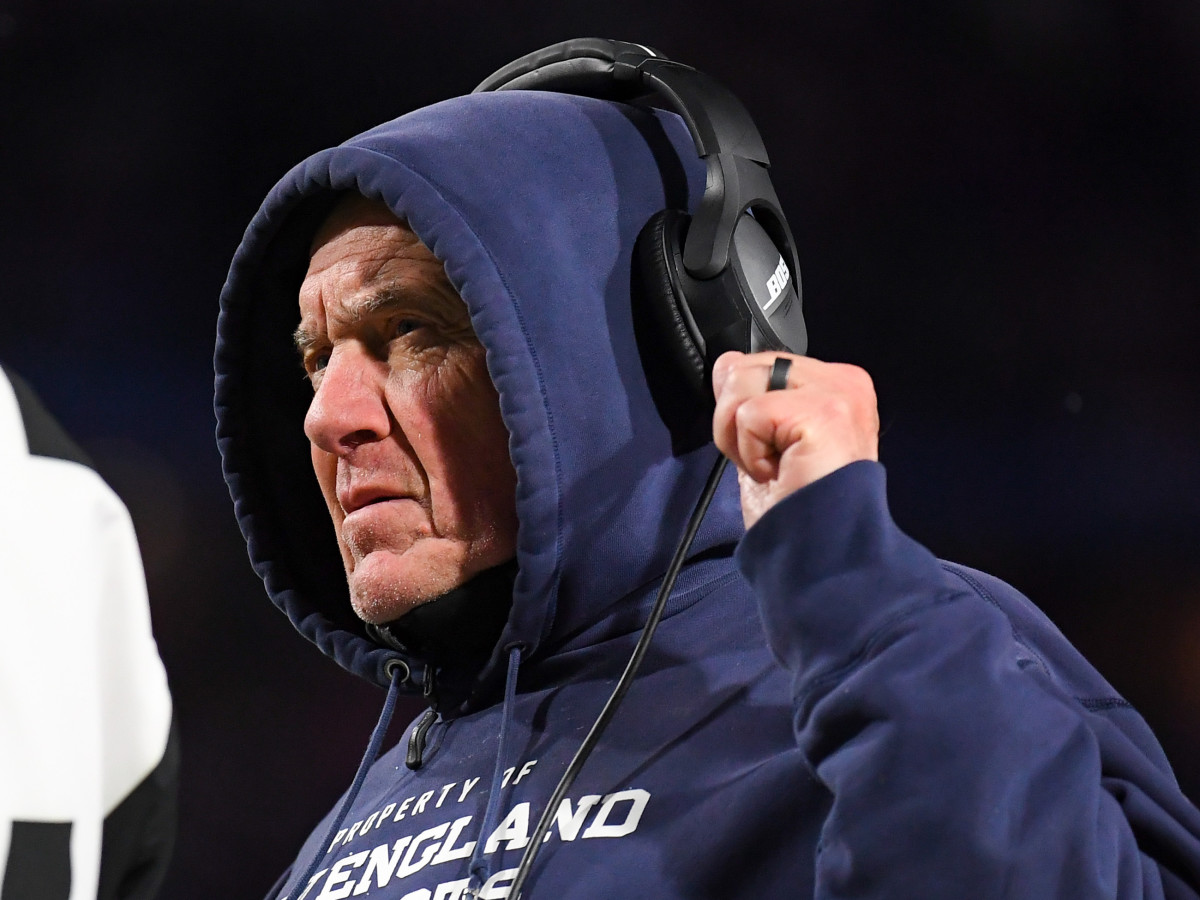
(856, 378)
(857, 386)
(738, 386)
(720, 369)
(746, 415)
(741, 419)
(837, 406)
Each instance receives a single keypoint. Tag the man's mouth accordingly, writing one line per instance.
(358, 498)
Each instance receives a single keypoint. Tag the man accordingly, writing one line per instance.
(412, 521)
(88, 765)
(826, 709)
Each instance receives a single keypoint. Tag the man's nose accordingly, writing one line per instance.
(348, 408)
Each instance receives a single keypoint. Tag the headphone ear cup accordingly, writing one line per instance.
(658, 263)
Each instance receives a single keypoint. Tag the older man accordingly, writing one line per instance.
(826, 710)
(407, 440)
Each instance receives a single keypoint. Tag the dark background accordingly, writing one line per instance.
(998, 211)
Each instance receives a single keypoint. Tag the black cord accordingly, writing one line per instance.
(618, 694)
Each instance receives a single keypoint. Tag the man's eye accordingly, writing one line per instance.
(317, 362)
(402, 327)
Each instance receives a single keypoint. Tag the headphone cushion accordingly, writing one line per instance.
(658, 266)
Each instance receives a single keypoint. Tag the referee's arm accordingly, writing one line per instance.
(88, 761)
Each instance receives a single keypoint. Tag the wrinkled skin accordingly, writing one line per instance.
(407, 441)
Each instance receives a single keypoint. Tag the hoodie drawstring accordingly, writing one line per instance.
(399, 673)
(480, 868)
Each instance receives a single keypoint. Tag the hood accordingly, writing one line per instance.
(533, 201)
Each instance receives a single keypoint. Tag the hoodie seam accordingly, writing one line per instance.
(982, 592)
(1092, 704)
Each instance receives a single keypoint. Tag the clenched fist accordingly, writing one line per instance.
(824, 417)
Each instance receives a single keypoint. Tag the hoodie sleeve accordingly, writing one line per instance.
(969, 749)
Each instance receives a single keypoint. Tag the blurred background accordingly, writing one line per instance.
(998, 210)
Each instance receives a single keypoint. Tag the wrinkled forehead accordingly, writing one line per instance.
(363, 258)
(351, 211)
(365, 235)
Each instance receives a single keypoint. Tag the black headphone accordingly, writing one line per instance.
(727, 278)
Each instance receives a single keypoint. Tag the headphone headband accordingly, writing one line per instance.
(721, 129)
(582, 56)
(724, 136)
(617, 70)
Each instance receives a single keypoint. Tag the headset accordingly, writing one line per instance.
(727, 278)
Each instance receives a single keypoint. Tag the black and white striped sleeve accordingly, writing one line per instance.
(88, 765)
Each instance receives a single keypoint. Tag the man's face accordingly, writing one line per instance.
(407, 440)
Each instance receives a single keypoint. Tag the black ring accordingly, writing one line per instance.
(779, 373)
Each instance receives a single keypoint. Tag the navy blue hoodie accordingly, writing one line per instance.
(827, 709)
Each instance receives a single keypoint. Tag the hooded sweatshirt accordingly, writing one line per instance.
(826, 710)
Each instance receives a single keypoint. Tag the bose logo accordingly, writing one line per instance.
(777, 282)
